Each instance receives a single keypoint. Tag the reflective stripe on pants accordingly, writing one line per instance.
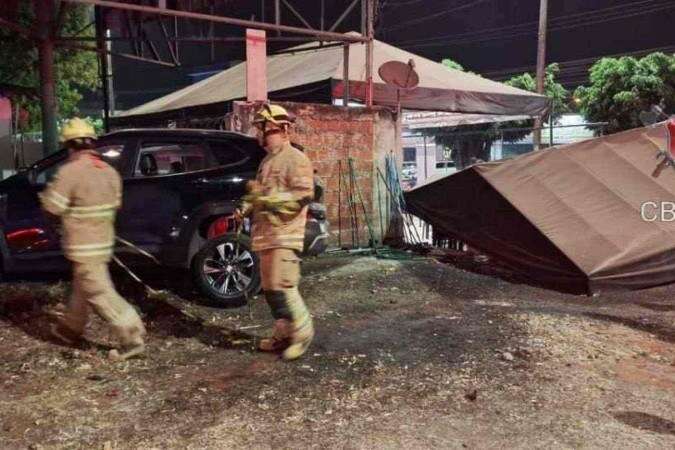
(280, 272)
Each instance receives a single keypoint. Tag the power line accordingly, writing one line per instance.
(436, 15)
(436, 42)
(533, 32)
(552, 21)
(564, 65)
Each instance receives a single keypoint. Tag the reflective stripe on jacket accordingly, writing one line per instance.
(86, 193)
(287, 173)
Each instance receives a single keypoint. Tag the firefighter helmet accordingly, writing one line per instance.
(77, 128)
(273, 113)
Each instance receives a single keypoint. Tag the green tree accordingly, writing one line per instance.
(76, 71)
(621, 88)
(473, 142)
(450, 64)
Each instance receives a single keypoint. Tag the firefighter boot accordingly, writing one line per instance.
(303, 328)
(131, 331)
(280, 339)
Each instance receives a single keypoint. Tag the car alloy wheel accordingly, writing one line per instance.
(229, 269)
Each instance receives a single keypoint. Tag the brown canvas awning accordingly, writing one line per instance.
(569, 217)
(440, 88)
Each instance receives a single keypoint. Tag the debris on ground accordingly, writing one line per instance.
(413, 354)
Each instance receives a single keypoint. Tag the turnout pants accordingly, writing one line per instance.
(93, 289)
(280, 277)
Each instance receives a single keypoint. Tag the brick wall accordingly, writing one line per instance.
(331, 135)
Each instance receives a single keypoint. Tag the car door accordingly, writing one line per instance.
(168, 179)
(29, 234)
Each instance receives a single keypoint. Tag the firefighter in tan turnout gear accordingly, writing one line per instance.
(85, 194)
(278, 200)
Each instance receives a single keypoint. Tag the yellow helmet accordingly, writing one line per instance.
(77, 128)
(273, 113)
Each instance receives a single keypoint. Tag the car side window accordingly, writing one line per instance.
(112, 154)
(229, 152)
(170, 158)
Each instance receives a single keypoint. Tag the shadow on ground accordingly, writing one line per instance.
(644, 421)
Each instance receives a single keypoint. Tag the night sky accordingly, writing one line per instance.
(496, 38)
(579, 29)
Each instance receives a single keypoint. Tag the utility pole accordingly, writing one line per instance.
(44, 14)
(541, 67)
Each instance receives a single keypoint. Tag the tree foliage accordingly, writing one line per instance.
(621, 88)
(75, 70)
(469, 143)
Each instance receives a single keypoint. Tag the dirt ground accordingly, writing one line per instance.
(409, 354)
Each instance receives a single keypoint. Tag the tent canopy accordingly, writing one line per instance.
(440, 88)
(581, 218)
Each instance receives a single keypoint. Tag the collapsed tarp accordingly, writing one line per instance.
(440, 88)
(581, 218)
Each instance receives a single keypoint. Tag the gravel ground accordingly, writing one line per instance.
(408, 354)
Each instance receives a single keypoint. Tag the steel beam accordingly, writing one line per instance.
(121, 55)
(326, 35)
(344, 14)
(307, 49)
(297, 14)
(195, 40)
(165, 33)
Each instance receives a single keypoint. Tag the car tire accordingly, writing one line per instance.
(226, 270)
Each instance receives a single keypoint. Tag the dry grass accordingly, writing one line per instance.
(408, 355)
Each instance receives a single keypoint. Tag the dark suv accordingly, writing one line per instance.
(180, 191)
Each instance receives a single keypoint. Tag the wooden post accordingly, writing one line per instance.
(541, 67)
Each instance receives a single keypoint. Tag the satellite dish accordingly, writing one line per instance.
(399, 74)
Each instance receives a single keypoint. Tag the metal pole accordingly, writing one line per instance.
(364, 15)
(541, 67)
(340, 203)
(369, 54)
(15, 132)
(211, 33)
(426, 166)
(323, 15)
(277, 14)
(345, 76)
(338, 37)
(550, 138)
(44, 13)
(103, 65)
(111, 91)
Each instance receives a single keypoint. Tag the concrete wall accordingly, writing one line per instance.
(331, 135)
